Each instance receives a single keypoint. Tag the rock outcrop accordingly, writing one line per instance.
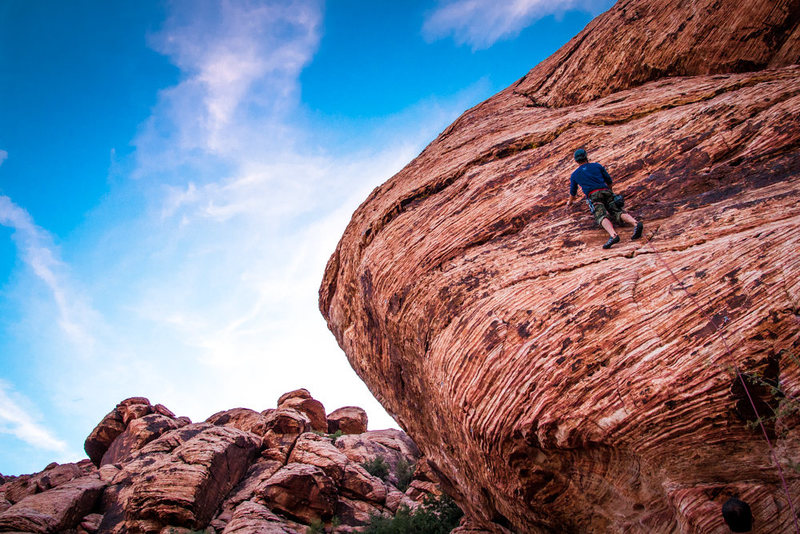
(240, 471)
(348, 420)
(558, 387)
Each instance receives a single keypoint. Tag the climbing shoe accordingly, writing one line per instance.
(611, 241)
(637, 232)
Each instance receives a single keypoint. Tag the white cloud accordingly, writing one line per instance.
(242, 61)
(37, 251)
(246, 208)
(481, 23)
(3, 156)
(19, 422)
(203, 269)
(216, 287)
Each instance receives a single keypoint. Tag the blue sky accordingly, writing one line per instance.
(175, 175)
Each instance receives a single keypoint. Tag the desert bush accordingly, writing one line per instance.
(437, 515)
(377, 467)
(404, 473)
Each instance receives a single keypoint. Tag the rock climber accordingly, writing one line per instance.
(596, 185)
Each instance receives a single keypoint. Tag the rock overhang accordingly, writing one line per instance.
(516, 352)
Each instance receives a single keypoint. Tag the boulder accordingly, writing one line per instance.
(163, 410)
(396, 498)
(468, 527)
(356, 513)
(419, 489)
(254, 518)
(53, 476)
(241, 418)
(301, 492)
(351, 478)
(312, 449)
(283, 427)
(301, 393)
(90, 524)
(181, 478)
(57, 509)
(560, 387)
(164, 475)
(138, 433)
(359, 484)
(134, 408)
(257, 475)
(662, 39)
(349, 419)
(113, 425)
(310, 407)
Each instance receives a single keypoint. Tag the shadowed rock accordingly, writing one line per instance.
(138, 433)
(181, 478)
(113, 425)
(283, 426)
(54, 510)
(311, 408)
(53, 476)
(302, 492)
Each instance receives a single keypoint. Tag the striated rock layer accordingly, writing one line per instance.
(240, 471)
(559, 387)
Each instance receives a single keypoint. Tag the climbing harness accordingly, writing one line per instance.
(619, 201)
(719, 332)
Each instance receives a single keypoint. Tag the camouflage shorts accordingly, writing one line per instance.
(604, 206)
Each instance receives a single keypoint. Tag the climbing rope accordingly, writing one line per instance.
(738, 374)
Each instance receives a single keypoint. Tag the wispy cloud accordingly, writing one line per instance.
(245, 207)
(19, 422)
(3, 156)
(37, 250)
(481, 23)
(198, 276)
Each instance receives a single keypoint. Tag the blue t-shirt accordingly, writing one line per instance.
(589, 176)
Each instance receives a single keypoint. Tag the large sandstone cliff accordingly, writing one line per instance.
(560, 387)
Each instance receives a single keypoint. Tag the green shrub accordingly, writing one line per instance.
(377, 467)
(316, 527)
(336, 435)
(404, 474)
(437, 515)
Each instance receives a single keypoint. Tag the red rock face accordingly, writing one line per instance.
(138, 433)
(239, 472)
(55, 510)
(241, 418)
(348, 420)
(113, 425)
(639, 41)
(311, 408)
(559, 387)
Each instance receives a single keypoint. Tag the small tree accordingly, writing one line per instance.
(404, 473)
(377, 467)
(437, 515)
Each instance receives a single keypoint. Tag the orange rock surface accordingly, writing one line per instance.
(241, 471)
(559, 387)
